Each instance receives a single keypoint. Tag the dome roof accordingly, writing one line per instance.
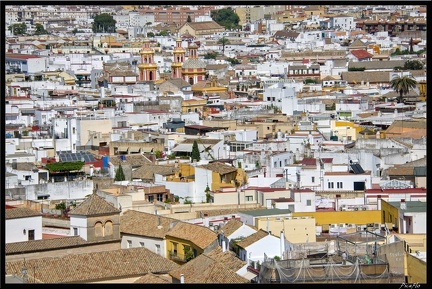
(194, 63)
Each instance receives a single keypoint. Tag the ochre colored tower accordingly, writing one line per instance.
(179, 57)
(147, 67)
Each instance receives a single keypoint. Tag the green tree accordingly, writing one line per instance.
(103, 23)
(195, 155)
(233, 61)
(223, 41)
(163, 33)
(402, 84)
(411, 51)
(76, 30)
(413, 65)
(226, 17)
(40, 30)
(150, 34)
(208, 196)
(61, 207)
(18, 28)
(210, 55)
(119, 176)
(189, 19)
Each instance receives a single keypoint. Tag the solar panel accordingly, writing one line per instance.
(357, 169)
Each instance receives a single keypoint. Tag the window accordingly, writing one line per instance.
(175, 249)
(75, 231)
(330, 185)
(129, 243)
(150, 198)
(249, 198)
(313, 179)
(141, 244)
(339, 185)
(157, 249)
(31, 235)
(308, 203)
(73, 130)
(160, 197)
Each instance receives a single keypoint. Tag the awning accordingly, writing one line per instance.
(134, 149)
(146, 149)
(249, 275)
(182, 148)
(122, 149)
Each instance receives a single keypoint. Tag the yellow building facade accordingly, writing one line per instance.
(193, 105)
(296, 229)
(389, 214)
(325, 219)
(180, 251)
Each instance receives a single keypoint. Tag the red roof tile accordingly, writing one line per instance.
(361, 54)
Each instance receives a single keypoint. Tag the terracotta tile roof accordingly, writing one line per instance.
(361, 54)
(219, 168)
(201, 141)
(151, 278)
(45, 244)
(230, 227)
(94, 205)
(220, 212)
(89, 267)
(205, 25)
(145, 224)
(400, 171)
(283, 34)
(308, 162)
(371, 76)
(179, 82)
(25, 166)
(390, 64)
(21, 212)
(21, 56)
(134, 160)
(357, 43)
(204, 269)
(147, 171)
(252, 238)
(228, 258)
(199, 235)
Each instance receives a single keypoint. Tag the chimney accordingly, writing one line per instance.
(181, 278)
(379, 202)
(223, 245)
(159, 221)
(403, 204)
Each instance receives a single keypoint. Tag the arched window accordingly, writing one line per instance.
(191, 81)
(108, 228)
(99, 230)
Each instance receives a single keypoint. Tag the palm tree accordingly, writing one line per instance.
(223, 41)
(402, 84)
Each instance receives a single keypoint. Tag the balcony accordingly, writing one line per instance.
(174, 256)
